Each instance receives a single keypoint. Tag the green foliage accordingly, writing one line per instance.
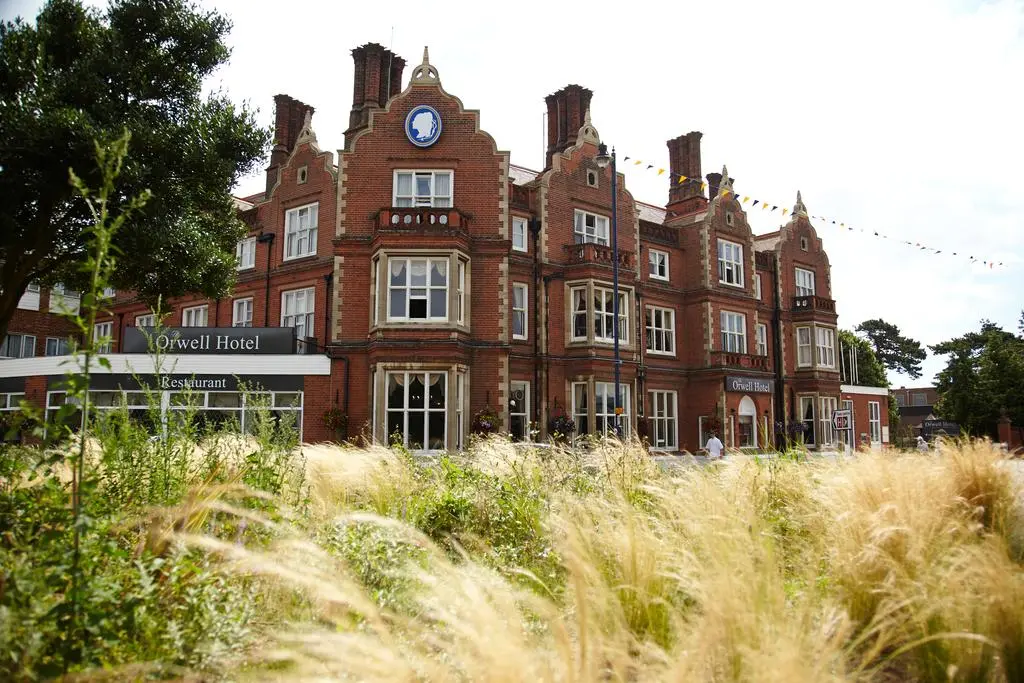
(895, 351)
(984, 375)
(870, 371)
(80, 74)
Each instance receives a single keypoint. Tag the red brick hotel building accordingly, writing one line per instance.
(420, 278)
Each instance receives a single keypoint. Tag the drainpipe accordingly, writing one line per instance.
(780, 389)
(268, 239)
(327, 309)
(535, 232)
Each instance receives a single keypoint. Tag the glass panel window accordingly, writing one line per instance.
(901, 400)
(195, 316)
(57, 346)
(101, 334)
(661, 330)
(604, 408)
(589, 227)
(418, 289)
(423, 188)
(297, 308)
(579, 313)
(762, 339)
(518, 233)
(18, 346)
(460, 384)
(804, 282)
(730, 263)
(301, 231)
(803, 347)
(519, 411)
(147, 320)
(519, 294)
(807, 418)
(580, 408)
(460, 299)
(416, 404)
(663, 419)
(657, 264)
(604, 316)
(919, 399)
(757, 287)
(826, 344)
(734, 332)
(875, 421)
(245, 253)
(827, 433)
(242, 313)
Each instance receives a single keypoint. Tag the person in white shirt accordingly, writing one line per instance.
(714, 447)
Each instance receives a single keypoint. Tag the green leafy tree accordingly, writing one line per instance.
(983, 377)
(80, 74)
(894, 351)
(870, 372)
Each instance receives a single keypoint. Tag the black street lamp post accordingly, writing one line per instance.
(603, 160)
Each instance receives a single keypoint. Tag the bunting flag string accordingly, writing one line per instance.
(771, 208)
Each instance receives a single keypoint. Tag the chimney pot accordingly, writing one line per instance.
(567, 109)
(377, 78)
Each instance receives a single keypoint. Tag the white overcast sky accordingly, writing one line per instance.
(897, 116)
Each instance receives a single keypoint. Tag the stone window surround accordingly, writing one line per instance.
(379, 290)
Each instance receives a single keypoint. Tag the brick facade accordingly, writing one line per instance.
(506, 228)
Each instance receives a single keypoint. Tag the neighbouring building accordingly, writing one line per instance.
(915, 406)
(424, 279)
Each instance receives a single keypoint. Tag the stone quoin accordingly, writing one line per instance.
(423, 283)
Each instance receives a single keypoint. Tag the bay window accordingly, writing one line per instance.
(418, 289)
(806, 417)
(734, 332)
(604, 316)
(301, 231)
(730, 263)
(581, 407)
(827, 432)
(416, 406)
(826, 343)
(803, 347)
(423, 188)
(661, 332)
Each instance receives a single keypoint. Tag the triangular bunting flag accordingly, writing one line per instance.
(775, 207)
(746, 199)
(682, 179)
(637, 162)
(755, 203)
(784, 210)
(625, 158)
(650, 166)
(660, 171)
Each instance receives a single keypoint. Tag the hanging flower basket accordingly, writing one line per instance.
(485, 422)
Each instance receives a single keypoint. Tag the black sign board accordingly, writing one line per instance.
(749, 385)
(211, 340)
(929, 427)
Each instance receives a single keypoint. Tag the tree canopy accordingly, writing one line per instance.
(81, 75)
(984, 376)
(894, 351)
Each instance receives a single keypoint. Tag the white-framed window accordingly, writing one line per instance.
(418, 289)
(101, 336)
(297, 310)
(57, 346)
(241, 315)
(29, 301)
(806, 416)
(519, 310)
(145, 320)
(761, 333)
(416, 404)
(875, 421)
(660, 324)
(11, 400)
(195, 316)
(460, 295)
(604, 316)
(604, 408)
(589, 227)
(730, 263)
(664, 422)
(518, 233)
(579, 314)
(519, 411)
(826, 343)
(757, 286)
(734, 332)
(804, 282)
(828, 432)
(581, 407)
(245, 253)
(17, 345)
(423, 188)
(657, 264)
(300, 231)
(804, 359)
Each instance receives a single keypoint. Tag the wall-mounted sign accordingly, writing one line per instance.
(749, 385)
(423, 126)
(185, 382)
(211, 340)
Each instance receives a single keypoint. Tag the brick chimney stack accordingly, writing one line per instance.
(684, 159)
(378, 77)
(289, 116)
(566, 110)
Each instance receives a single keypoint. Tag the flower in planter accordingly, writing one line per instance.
(485, 422)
